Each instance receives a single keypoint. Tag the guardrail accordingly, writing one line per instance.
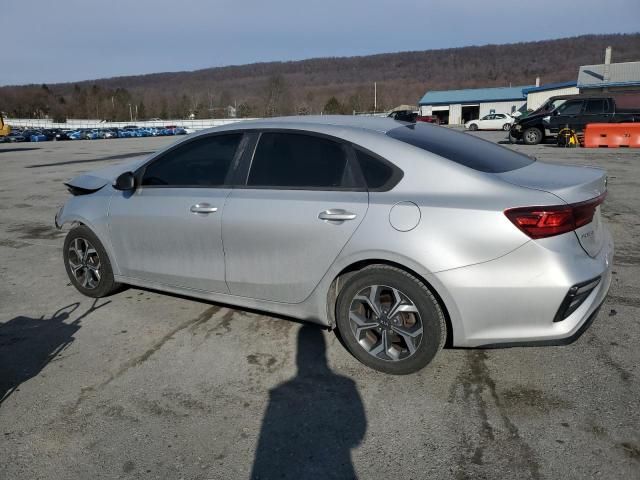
(190, 125)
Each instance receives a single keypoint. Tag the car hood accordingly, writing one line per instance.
(97, 179)
(532, 118)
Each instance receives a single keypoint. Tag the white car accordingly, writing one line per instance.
(493, 121)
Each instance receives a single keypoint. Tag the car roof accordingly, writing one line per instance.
(319, 123)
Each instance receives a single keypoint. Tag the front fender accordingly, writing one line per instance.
(91, 211)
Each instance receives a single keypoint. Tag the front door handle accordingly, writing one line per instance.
(337, 215)
(203, 208)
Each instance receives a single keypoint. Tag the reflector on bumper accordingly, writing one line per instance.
(576, 296)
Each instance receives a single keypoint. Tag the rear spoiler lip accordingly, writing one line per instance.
(590, 182)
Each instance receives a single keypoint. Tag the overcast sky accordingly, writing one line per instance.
(47, 41)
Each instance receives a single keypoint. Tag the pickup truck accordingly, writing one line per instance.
(576, 113)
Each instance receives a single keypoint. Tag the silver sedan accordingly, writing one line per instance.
(403, 237)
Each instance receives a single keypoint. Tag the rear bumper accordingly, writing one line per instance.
(513, 300)
(548, 343)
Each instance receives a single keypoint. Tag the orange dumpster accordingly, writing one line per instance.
(612, 135)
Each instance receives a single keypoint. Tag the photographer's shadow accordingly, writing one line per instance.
(28, 344)
(312, 421)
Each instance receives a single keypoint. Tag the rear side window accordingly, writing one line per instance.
(376, 173)
(596, 106)
(202, 162)
(299, 161)
(462, 148)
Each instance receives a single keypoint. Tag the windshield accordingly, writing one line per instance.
(462, 148)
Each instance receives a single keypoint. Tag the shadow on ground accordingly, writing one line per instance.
(28, 344)
(7, 150)
(312, 421)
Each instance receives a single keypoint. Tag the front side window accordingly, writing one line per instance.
(570, 108)
(293, 160)
(201, 162)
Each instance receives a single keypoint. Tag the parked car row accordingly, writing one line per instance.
(53, 134)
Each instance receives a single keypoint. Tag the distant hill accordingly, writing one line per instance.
(307, 86)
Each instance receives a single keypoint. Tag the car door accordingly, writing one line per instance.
(485, 122)
(300, 204)
(596, 110)
(169, 229)
(565, 115)
(499, 119)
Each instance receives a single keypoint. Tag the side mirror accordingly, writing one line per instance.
(125, 182)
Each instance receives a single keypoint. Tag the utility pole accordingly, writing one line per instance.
(130, 113)
(375, 97)
(136, 112)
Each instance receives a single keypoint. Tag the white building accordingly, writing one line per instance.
(459, 106)
(609, 77)
(536, 96)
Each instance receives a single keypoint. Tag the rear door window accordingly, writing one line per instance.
(378, 174)
(462, 148)
(596, 106)
(299, 161)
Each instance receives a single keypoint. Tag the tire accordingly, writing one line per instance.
(363, 332)
(532, 136)
(506, 127)
(78, 241)
(473, 127)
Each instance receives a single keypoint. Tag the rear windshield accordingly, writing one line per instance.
(462, 148)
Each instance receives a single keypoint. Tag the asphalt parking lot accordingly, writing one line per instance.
(150, 385)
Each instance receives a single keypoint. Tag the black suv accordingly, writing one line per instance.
(404, 116)
(576, 113)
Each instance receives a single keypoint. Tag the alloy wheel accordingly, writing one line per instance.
(385, 322)
(85, 263)
(532, 136)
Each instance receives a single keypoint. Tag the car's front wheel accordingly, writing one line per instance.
(532, 136)
(473, 127)
(87, 264)
(506, 127)
(390, 320)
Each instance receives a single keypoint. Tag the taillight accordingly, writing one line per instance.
(547, 221)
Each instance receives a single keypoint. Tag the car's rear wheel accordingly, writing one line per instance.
(506, 127)
(473, 127)
(390, 320)
(87, 264)
(532, 136)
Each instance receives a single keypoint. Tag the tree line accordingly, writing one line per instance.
(321, 85)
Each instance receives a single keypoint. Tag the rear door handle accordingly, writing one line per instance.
(337, 215)
(203, 208)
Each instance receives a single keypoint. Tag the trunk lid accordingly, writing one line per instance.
(571, 184)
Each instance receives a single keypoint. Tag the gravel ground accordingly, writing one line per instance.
(150, 385)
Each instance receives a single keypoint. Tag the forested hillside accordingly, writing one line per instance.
(332, 85)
